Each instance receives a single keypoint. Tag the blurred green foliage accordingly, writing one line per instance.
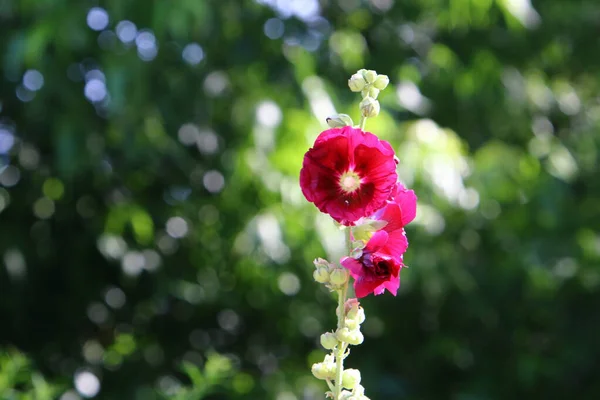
(155, 243)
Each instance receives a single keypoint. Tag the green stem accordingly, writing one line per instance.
(339, 357)
(341, 348)
(362, 123)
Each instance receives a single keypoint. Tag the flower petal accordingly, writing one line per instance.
(377, 241)
(353, 266)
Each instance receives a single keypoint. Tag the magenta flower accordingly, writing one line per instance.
(348, 173)
(378, 267)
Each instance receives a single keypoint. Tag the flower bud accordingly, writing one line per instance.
(339, 121)
(328, 340)
(338, 276)
(346, 395)
(373, 92)
(325, 369)
(321, 371)
(354, 337)
(369, 107)
(350, 378)
(321, 262)
(357, 314)
(381, 82)
(351, 324)
(356, 252)
(356, 83)
(364, 230)
(321, 275)
(370, 76)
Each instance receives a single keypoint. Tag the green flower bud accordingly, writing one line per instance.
(320, 371)
(329, 341)
(370, 76)
(321, 275)
(338, 276)
(369, 107)
(356, 314)
(326, 369)
(354, 337)
(365, 92)
(365, 229)
(373, 92)
(381, 82)
(351, 324)
(321, 262)
(339, 121)
(356, 83)
(350, 378)
(356, 252)
(346, 395)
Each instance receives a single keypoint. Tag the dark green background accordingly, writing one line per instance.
(494, 113)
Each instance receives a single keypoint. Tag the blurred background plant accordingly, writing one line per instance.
(155, 243)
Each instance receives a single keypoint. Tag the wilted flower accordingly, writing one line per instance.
(378, 267)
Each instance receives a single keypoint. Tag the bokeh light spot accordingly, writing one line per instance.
(87, 384)
(193, 54)
(288, 283)
(97, 18)
(126, 31)
(213, 181)
(274, 28)
(33, 80)
(177, 227)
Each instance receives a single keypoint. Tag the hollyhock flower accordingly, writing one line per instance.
(348, 173)
(377, 267)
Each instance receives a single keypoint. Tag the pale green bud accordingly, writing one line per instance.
(357, 314)
(357, 82)
(365, 229)
(381, 82)
(373, 92)
(321, 371)
(350, 378)
(351, 324)
(357, 252)
(365, 92)
(321, 262)
(338, 276)
(321, 275)
(346, 395)
(354, 337)
(325, 369)
(339, 121)
(370, 76)
(329, 341)
(369, 107)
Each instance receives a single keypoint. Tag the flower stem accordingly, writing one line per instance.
(362, 123)
(339, 357)
(341, 348)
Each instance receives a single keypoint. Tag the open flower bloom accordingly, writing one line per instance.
(378, 267)
(348, 173)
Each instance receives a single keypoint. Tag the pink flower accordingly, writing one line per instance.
(378, 267)
(348, 173)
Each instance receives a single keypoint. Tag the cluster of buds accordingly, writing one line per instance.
(337, 342)
(334, 277)
(354, 315)
(369, 84)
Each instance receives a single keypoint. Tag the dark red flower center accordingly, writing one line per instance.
(377, 266)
